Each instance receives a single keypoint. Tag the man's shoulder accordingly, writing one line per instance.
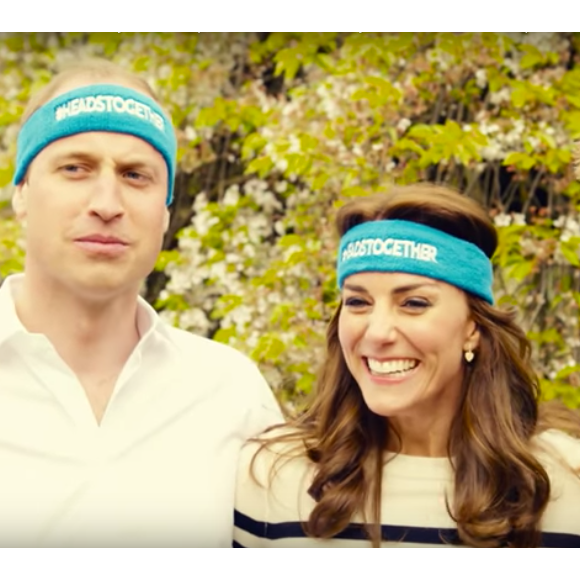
(226, 373)
(204, 349)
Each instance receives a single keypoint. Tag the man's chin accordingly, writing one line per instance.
(104, 289)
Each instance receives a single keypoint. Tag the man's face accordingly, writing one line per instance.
(95, 213)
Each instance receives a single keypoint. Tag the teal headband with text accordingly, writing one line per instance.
(412, 248)
(100, 107)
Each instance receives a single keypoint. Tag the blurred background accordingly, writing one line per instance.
(276, 130)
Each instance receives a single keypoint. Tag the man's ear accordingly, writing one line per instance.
(20, 200)
(166, 219)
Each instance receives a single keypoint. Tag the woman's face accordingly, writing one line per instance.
(403, 338)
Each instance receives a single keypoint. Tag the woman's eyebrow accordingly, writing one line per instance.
(397, 290)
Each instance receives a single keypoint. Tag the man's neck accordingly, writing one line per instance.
(76, 326)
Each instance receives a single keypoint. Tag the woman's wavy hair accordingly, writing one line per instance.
(501, 489)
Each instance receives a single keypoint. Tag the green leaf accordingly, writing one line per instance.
(142, 64)
(298, 163)
(574, 100)
(519, 160)
(519, 97)
(6, 174)
(209, 116)
(287, 63)
(421, 131)
(305, 383)
(253, 144)
(269, 348)
(225, 304)
(320, 181)
(354, 191)
(570, 252)
(101, 37)
(261, 165)
(290, 240)
(532, 57)
(15, 42)
(572, 123)
(174, 303)
(409, 145)
(567, 371)
(521, 270)
(165, 258)
(225, 335)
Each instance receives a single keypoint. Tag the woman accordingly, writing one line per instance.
(425, 428)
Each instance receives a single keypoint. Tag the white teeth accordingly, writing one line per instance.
(391, 366)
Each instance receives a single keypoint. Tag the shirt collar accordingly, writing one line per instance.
(10, 325)
(148, 321)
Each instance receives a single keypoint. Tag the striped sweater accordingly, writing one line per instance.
(269, 513)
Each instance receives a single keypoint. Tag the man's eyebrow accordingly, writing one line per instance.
(72, 154)
(129, 162)
(133, 162)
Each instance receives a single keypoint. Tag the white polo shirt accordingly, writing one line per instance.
(160, 469)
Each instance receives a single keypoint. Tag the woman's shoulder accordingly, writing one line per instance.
(274, 474)
(559, 452)
(280, 452)
(554, 444)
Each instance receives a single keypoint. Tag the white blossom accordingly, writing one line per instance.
(481, 78)
(502, 219)
(232, 195)
(195, 319)
(501, 96)
(403, 124)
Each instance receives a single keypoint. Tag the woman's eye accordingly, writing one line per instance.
(416, 303)
(355, 302)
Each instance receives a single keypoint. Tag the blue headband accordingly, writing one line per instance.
(112, 108)
(404, 246)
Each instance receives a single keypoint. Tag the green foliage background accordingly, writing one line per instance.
(277, 129)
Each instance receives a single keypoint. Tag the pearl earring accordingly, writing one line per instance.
(468, 354)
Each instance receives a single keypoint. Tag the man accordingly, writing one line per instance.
(116, 430)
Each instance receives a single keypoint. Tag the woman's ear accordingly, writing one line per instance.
(473, 336)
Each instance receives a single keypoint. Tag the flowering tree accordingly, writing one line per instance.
(277, 129)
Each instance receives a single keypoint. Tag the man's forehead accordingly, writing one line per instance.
(100, 144)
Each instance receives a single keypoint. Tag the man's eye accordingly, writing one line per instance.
(135, 176)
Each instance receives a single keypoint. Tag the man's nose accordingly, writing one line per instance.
(106, 199)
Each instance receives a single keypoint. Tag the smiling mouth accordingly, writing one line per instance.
(392, 367)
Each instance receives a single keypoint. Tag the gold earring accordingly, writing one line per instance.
(469, 356)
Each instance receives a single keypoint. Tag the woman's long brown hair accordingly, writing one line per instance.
(501, 490)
